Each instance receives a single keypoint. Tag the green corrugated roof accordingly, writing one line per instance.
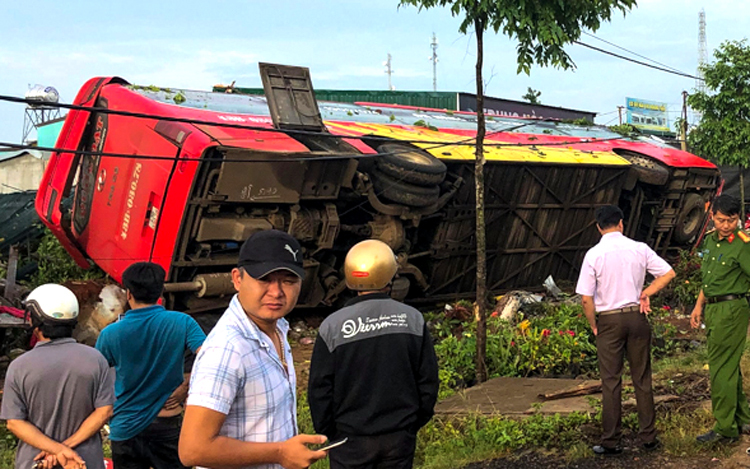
(432, 99)
(18, 219)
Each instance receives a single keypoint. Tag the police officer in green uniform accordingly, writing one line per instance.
(726, 281)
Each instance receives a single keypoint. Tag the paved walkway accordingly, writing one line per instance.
(516, 396)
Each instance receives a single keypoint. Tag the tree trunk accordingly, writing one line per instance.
(742, 197)
(481, 310)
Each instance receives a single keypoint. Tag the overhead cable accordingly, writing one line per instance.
(686, 75)
(374, 138)
(141, 115)
(630, 51)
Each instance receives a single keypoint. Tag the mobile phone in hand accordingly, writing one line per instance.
(333, 445)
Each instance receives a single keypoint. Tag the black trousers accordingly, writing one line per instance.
(389, 451)
(155, 447)
(620, 335)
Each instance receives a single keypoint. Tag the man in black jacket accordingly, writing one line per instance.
(373, 375)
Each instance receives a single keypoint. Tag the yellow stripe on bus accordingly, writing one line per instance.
(526, 154)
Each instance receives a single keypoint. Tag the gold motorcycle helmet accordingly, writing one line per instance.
(369, 265)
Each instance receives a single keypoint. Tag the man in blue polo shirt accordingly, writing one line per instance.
(147, 348)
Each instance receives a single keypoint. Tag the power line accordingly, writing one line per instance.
(630, 51)
(467, 141)
(17, 146)
(535, 144)
(603, 51)
(606, 113)
(183, 120)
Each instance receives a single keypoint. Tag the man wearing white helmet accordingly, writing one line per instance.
(373, 374)
(58, 395)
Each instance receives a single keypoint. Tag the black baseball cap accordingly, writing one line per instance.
(269, 251)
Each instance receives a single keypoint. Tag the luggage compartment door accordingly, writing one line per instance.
(291, 98)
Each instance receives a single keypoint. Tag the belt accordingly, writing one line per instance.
(719, 299)
(627, 309)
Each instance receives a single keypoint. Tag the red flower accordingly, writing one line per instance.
(546, 333)
(493, 315)
(512, 343)
(560, 333)
(571, 333)
(666, 308)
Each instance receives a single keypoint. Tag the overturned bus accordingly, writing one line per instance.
(182, 178)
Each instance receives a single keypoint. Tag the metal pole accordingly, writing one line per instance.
(10, 282)
(684, 123)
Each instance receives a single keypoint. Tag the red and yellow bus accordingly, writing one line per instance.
(182, 178)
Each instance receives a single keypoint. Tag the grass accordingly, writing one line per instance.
(677, 432)
(8, 444)
(450, 443)
(690, 362)
(305, 425)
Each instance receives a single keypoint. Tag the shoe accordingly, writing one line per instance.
(605, 451)
(652, 445)
(713, 437)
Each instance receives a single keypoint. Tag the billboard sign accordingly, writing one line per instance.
(647, 115)
(509, 108)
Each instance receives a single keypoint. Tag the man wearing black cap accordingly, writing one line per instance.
(241, 411)
(147, 348)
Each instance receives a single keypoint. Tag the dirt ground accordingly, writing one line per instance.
(627, 460)
(302, 354)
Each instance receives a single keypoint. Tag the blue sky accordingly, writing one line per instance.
(196, 45)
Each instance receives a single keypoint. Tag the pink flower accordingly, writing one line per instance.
(571, 333)
(666, 308)
(546, 333)
(560, 333)
(512, 343)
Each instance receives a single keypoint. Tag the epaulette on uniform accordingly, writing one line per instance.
(743, 236)
(708, 232)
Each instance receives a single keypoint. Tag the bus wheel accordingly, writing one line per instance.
(410, 165)
(690, 218)
(648, 170)
(403, 193)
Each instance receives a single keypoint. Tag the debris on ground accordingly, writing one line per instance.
(301, 332)
(579, 390)
(508, 305)
(552, 288)
(100, 304)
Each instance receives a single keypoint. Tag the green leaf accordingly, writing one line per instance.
(723, 133)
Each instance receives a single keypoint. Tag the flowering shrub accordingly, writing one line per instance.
(556, 342)
(687, 284)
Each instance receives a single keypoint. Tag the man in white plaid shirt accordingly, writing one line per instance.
(241, 410)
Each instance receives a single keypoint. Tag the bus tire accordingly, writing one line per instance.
(690, 218)
(410, 165)
(648, 170)
(403, 193)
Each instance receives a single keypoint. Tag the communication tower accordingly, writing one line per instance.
(389, 72)
(434, 60)
(700, 85)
